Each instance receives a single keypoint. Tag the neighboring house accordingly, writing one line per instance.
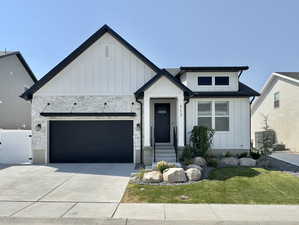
(15, 78)
(279, 102)
(106, 102)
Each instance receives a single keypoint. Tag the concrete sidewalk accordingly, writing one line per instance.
(64, 221)
(157, 212)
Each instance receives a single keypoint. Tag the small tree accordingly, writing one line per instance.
(201, 139)
(266, 142)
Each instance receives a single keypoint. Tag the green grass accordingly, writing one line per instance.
(226, 185)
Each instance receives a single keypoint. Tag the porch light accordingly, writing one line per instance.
(38, 127)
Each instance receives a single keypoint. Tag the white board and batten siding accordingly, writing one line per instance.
(238, 136)
(15, 147)
(105, 68)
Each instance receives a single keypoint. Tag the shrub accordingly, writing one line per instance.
(162, 165)
(228, 154)
(212, 162)
(187, 155)
(201, 139)
(243, 155)
(255, 154)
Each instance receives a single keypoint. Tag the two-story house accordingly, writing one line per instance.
(108, 103)
(15, 77)
(279, 105)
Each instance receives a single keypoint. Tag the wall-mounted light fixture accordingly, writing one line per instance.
(38, 127)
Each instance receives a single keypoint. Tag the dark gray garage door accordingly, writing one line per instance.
(91, 141)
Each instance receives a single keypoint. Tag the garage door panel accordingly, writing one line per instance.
(91, 141)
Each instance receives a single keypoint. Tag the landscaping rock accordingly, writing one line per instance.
(174, 175)
(229, 161)
(134, 179)
(152, 177)
(247, 162)
(193, 174)
(200, 161)
(194, 166)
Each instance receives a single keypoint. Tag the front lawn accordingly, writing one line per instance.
(226, 185)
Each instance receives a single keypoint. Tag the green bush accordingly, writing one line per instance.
(228, 154)
(187, 155)
(255, 155)
(201, 139)
(243, 155)
(163, 165)
(212, 162)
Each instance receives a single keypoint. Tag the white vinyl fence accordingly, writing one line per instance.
(15, 146)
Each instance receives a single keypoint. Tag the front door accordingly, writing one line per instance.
(162, 122)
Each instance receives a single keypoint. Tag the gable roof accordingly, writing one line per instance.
(287, 76)
(93, 38)
(22, 60)
(165, 73)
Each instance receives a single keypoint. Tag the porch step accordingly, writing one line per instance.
(165, 153)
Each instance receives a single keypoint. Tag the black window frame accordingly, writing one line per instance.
(206, 82)
(222, 78)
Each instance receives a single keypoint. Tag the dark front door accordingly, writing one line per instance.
(91, 141)
(162, 122)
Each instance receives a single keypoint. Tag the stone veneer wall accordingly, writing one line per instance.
(40, 137)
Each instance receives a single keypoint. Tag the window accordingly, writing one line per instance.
(276, 100)
(221, 116)
(214, 115)
(204, 80)
(221, 80)
(205, 114)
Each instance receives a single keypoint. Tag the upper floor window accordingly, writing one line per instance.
(221, 80)
(276, 100)
(204, 80)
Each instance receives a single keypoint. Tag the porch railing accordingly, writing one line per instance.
(153, 143)
(175, 143)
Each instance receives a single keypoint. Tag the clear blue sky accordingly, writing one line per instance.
(262, 34)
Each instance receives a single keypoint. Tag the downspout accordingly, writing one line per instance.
(185, 122)
(250, 122)
(141, 132)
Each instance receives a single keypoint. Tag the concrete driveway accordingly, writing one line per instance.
(56, 189)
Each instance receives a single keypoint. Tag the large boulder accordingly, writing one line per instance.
(174, 175)
(195, 166)
(152, 177)
(193, 174)
(200, 161)
(247, 162)
(229, 162)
